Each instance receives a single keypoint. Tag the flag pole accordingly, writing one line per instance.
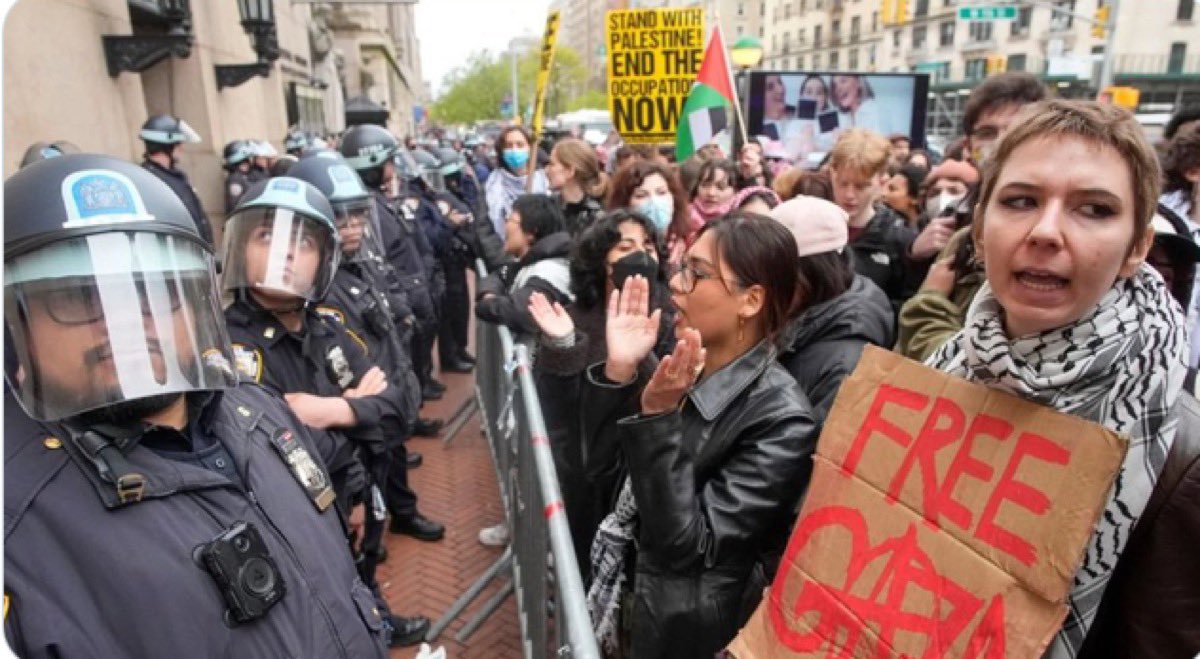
(737, 100)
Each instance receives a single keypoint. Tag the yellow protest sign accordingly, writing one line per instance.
(549, 39)
(653, 58)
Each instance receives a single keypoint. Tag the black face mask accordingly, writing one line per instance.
(637, 263)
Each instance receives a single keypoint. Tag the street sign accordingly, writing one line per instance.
(987, 13)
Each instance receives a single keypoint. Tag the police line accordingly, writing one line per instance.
(545, 573)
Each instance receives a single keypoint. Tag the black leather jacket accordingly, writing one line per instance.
(717, 483)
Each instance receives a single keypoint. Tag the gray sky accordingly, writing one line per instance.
(449, 30)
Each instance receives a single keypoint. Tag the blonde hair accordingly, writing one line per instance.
(861, 151)
(577, 154)
(1098, 123)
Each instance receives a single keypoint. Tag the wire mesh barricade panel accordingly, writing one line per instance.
(545, 573)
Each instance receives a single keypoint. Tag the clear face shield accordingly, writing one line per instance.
(356, 223)
(433, 178)
(279, 253)
(108, 318)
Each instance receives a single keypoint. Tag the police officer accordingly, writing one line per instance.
(419, 177)
(262, 157)
(295, 143)
(359, 300)
(447, 225)
(152, 507)
(164, 136)
(237, 162)
(369, 150)
(280, 253)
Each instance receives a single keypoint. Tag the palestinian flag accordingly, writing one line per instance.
(706, 111)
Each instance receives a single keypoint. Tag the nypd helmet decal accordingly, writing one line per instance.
(101, 196)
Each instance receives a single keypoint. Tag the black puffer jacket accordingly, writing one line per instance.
(503, 296)
(822, 345)
(716, 484)
(880, 255)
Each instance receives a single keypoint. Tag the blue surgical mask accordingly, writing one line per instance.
(660, 209)
(515, 158)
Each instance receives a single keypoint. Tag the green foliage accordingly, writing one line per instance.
(475, 89)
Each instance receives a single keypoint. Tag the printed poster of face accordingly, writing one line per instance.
(806, 111)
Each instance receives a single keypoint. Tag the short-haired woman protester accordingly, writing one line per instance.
(1070, 316)
(718, 456)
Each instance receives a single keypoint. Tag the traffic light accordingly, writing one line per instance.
(1100, 27)
(996, 64)
(1126, 97)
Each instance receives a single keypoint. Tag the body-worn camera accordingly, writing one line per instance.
(239, 562)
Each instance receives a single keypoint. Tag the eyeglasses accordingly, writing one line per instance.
(82, 306)
(688, 276)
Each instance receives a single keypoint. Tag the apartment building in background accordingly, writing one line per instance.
(1156, 47)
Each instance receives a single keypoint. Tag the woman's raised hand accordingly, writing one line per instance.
(675, 374)
(631, 334)
(553, 320)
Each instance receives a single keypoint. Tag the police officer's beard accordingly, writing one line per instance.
(127, 412)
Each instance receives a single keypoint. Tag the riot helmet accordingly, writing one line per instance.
(367, 149)
(39, 151)
(167, 130)
(431, 170)
(281, 243)
(295, 143)
(452, 161)
(353, 208)
(110, 295)
(283, 164)
(237, 152)
(407, 167)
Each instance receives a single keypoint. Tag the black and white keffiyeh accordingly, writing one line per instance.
(1122, 365)
(610, 552)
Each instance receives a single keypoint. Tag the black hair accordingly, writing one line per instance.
(821, 278)
(759, 251)
(913, 175)
(589, 255)
(1185, 114)
(540, 215)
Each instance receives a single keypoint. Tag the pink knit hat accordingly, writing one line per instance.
(818, 226)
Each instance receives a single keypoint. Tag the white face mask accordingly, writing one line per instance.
(937, 205)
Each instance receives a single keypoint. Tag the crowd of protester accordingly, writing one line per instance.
(693, 321)
(710, 316)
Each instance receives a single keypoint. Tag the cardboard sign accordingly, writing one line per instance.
(944, 519)
(545, 61)
(653, 57)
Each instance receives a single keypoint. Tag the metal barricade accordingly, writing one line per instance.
(544, 572)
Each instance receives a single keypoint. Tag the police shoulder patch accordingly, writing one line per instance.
(248, 361)
(332, 313)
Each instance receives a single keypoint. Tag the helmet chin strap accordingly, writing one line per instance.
(299, 306)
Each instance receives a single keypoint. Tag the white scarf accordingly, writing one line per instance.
(502, 189)
(1122, 365)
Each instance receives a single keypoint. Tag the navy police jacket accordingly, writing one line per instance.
(87, 575)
